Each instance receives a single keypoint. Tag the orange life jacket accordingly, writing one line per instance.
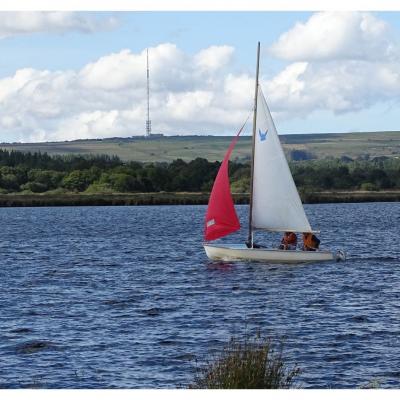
(309, 241)
(289, 239)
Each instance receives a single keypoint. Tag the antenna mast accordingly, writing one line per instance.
(148, 122)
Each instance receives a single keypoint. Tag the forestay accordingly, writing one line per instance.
(276, 202)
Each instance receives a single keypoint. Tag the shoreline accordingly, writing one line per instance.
(179, 198)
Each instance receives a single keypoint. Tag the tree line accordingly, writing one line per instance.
(39, 173)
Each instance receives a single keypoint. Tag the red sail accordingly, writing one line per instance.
(221, 217)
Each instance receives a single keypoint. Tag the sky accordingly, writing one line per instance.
(76, 75)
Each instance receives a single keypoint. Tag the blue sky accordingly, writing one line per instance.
(191, 31)
(82, 75)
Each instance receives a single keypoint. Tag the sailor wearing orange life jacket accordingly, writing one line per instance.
(289, 241)
(310, 242)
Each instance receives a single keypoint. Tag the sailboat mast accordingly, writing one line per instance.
(250, 236)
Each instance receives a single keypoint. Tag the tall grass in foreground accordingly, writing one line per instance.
(250, 364)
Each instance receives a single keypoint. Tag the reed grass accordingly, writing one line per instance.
(254, 363)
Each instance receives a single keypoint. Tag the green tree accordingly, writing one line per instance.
(9, 182)
(35, 187)
(47, 179)
(78, 180)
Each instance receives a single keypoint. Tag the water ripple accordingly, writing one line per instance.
(124, 297)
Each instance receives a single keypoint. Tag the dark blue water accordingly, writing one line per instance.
(124, 297)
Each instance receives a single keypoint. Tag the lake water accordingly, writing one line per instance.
(124, 297)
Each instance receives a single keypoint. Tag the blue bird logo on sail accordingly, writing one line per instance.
(263, 136)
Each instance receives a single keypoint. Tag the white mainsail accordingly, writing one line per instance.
(276, 202)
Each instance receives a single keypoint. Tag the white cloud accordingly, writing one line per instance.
(118, 70)
(213, 58)
(107, 97)
(344, 62)
(235, 86)
(189, 93)
(188, 105)
(27, 22)
(302, 88)
(113, 72)
(337, 35)
(89, 124)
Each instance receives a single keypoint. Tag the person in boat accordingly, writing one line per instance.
(310, 242)
(289, 241)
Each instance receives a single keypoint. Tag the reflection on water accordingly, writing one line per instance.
(221, 265)
(125, 297)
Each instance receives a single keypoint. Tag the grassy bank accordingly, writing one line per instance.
(81, 199)
(359, 196)
(139, 199)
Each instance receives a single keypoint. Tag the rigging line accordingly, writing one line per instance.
(245, 122)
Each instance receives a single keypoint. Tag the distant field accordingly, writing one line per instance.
(166, 149)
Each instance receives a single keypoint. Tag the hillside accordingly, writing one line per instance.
(168, 148)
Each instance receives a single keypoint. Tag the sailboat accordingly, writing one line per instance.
(275, 204)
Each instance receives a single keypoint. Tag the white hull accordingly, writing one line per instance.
(230, 252)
